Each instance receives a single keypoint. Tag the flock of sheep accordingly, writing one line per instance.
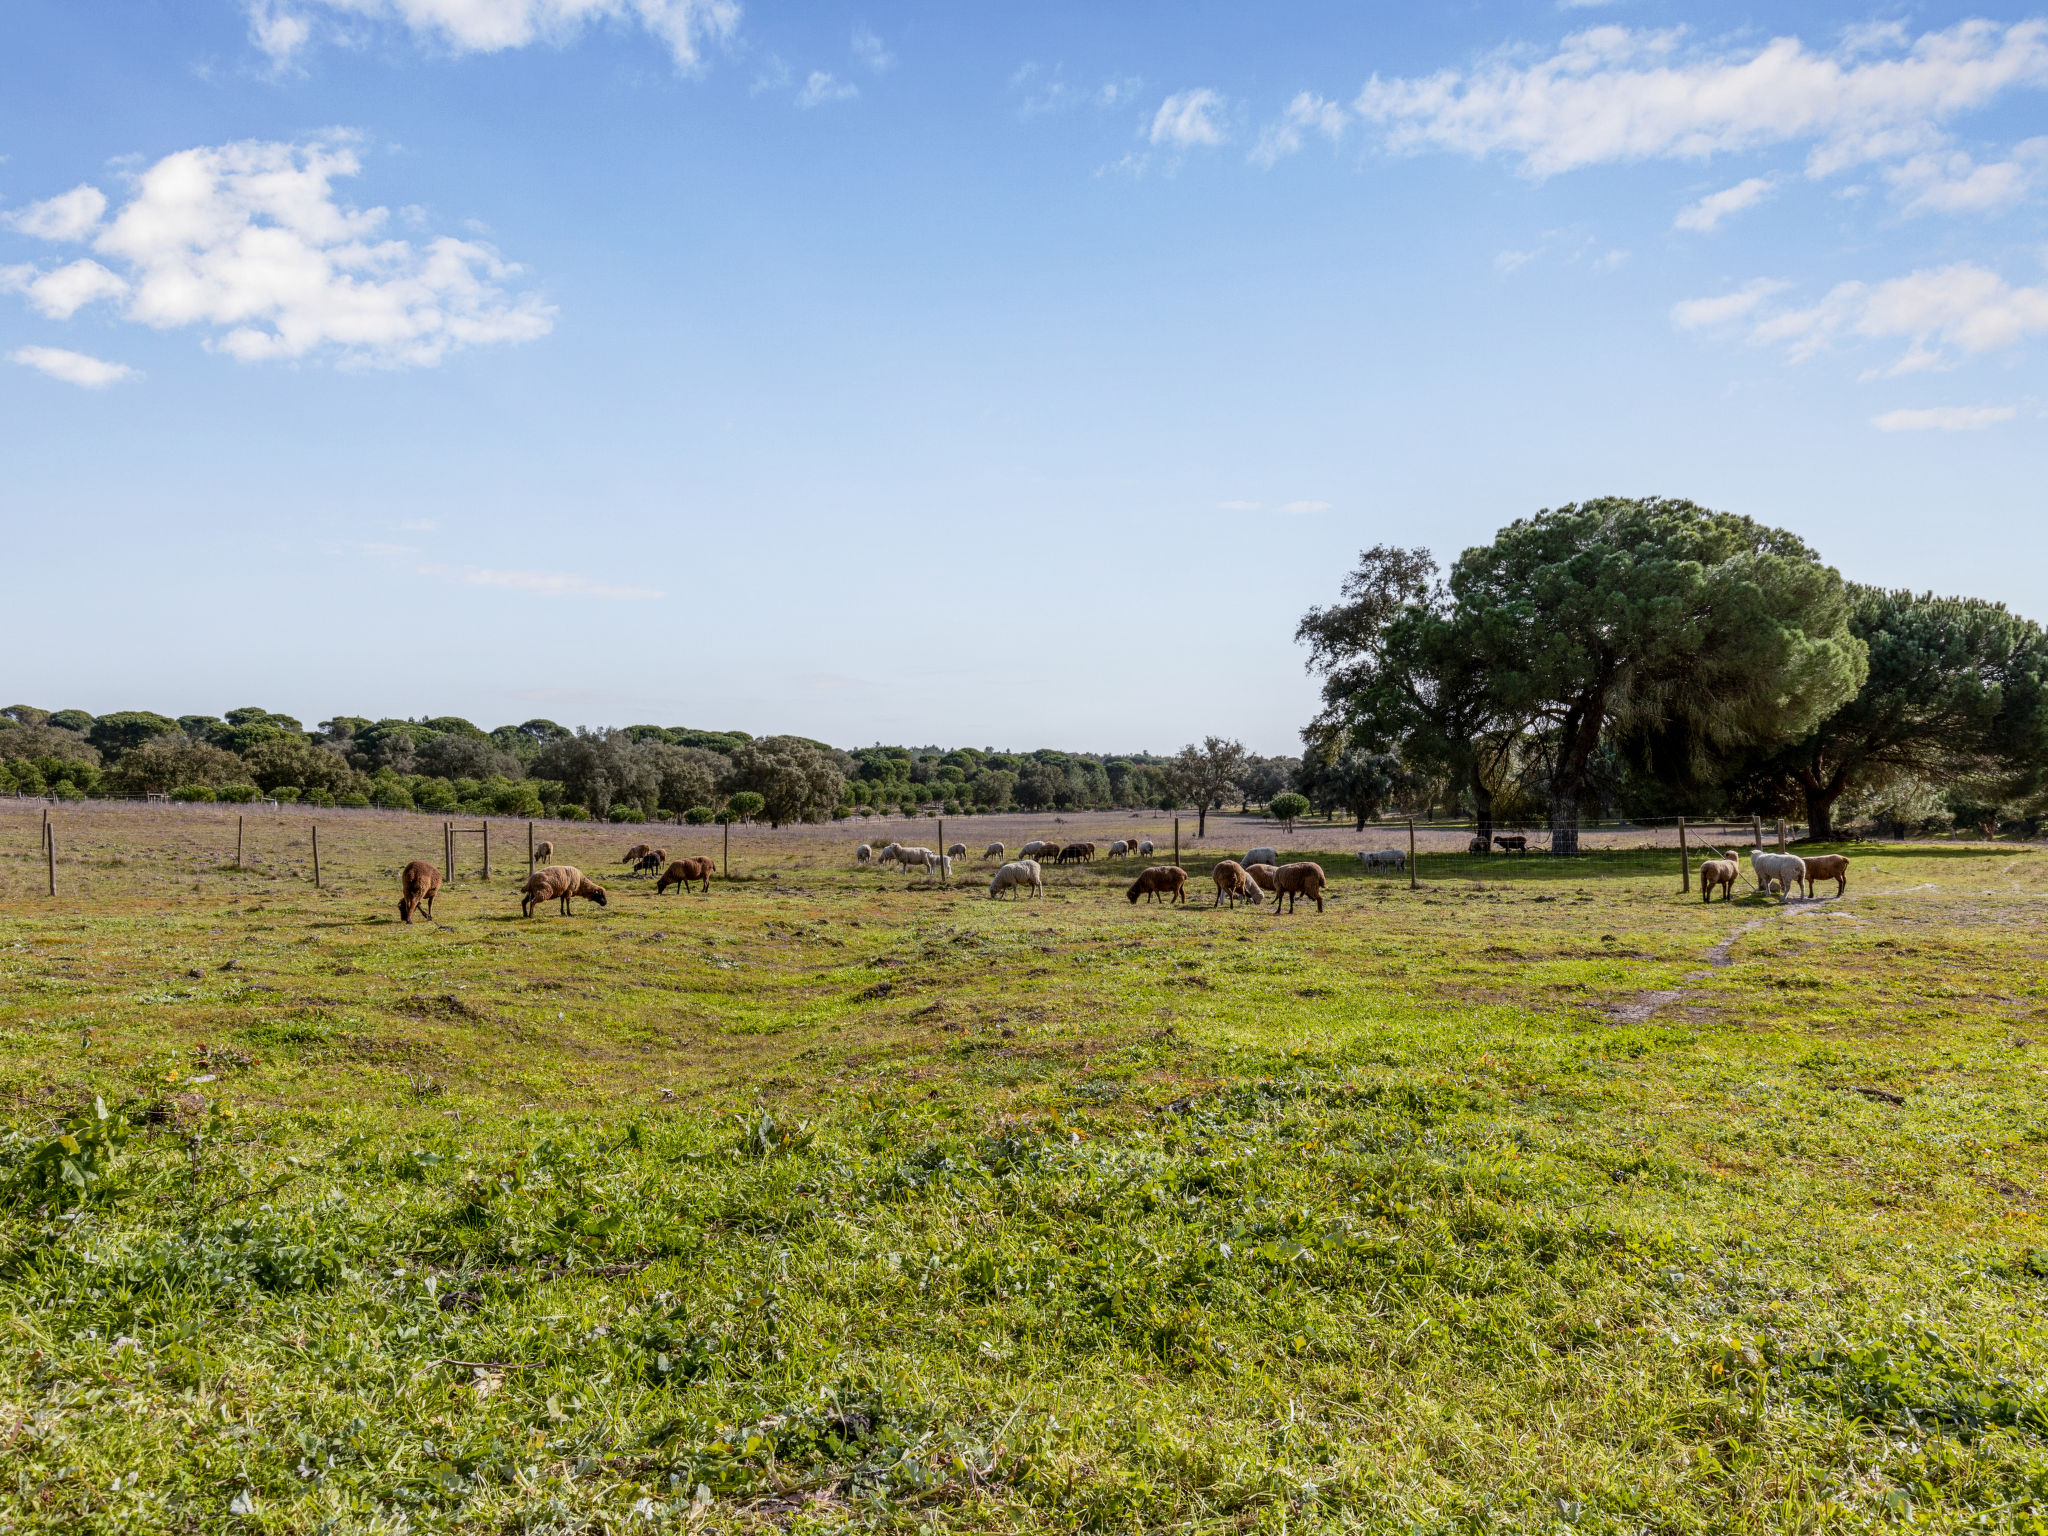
(1249, 880)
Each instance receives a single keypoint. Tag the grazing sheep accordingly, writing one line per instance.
(862, 854)
(635, 853)
(1014, 877)
(419, 881)
(1515, 844)
(543, 853)
(1718, 872)
(1788, 869)
(992, 851)
(1292, 880)
(1160, 877)
(1826, 866)
(1119, 848)
(1261, 856)
(889, 854)
(687, 872)
(1232, 881)
(914, 858)
(957, 851)
(1384, 858)
(1073, 853)
(1478, 845)
(1144, 847)
(558, 882)
(650, 861)
(1264, 875)
(1036, 848)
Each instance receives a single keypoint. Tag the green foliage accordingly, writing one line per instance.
(354, 800)
(236, 794)
(628, 813)
(699, 815)
(67, 1169)
(391, 795)
(117, 733)
(202, 793)
(285, 794)
(517, 799)
(796, 779)
(320, 797)
(1287, 808)
(746, 804)
(71, 720)
(572, 812)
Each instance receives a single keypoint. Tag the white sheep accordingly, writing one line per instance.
(1014, 876)
(1384, 858)
(1260, 856)
(1035, 847)
(1119, 848)
(1786, 868)
(1145, 847)
(890, 854)
(863, 853)
(993, 851)
(913, 858)
(957, 851)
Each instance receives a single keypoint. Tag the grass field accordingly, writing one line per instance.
(833, 1200)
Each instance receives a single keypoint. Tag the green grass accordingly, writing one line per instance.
(827, 1201)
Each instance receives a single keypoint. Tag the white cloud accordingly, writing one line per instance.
(1709, 211)
(72, 367)
(1302, 507)
(822, 88)
(869, 50)
(1611, 94)
(1954, 182)
(1187, 120)
(1944, 418)
(1307, 113)
(540, 583)
(1702, 314)
(1961, 307)
(281, 28)
(62, 293)
(1047, 91)
(68, 216)
(247, 241)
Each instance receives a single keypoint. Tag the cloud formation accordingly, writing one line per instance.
(1709, 211)
(540, 583)
(1307, 113)
(1963, 307)
(1188, 120)
(247, 241)
(282, 28)
(72, 367)
(1944, 418)
(822, 88)
(1955, 183)
(1610, 95)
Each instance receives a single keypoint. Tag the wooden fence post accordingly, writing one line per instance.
(1684, 859)
(50, 854)
(1781, 834)
(316, 855)
(529, 847)
(727, 861)
(487, 850)
(1411, 853)
(942, 853)
(238, 842)
(1176, 839)
(1756, 830)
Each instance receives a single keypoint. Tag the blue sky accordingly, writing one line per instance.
(993, 376)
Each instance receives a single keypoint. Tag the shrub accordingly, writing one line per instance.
(236, 794)
(698, 815)
(195, 792)
(390, 795)
(572, 813)
(866, 811)
(352, 802)
(628, 813)
(1287, 808)
(64, 789)
(840, 813)
(28, 779)
(285, 794)
(520, 799)
(318, 797)
(745, 804)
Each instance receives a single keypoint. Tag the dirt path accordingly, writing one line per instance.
(1640, 1008)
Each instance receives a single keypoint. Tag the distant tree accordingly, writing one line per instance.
(1038, 786)
(747, 804)
(26, 714)
(295, 761)
(460, 755)
(1616, 613)
(1287, 808)
(544, 733)
(1348, 779)
(1208, 775)
(797, 779)
(119, 732)
(71, 720)
(688, 775)
(1265, 777)
(643, 734)
(36, 742)
(166, 762)
(600, 768)
(1957, 688)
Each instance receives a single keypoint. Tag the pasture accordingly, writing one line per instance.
(833, 1199)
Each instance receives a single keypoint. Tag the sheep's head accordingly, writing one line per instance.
(597, 895)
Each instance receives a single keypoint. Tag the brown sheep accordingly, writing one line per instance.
(1160, 877)
(1718, 872)
(1264, 874)
(544, 853)
(558, 882)
(637, 852)
(420, 880)
(1073, 853)
(1515, 844)
(1232, 881)
(650, 861)
(1828, 866)
(1292, 880)
(686, 872)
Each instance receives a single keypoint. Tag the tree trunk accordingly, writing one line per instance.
(1581, 732)
(1482, 813)
(1361, 819)
(1202, 819)
(1821, 795)
(1564, 825)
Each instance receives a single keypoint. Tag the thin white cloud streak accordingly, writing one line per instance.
(1307, 113)
(1709, 211)
(1955, 183)
(822, 88)
(1944, 418)
(72, 367)
(68, 216)
(1188, 120)
(283, 28)
(868, 49)
(248, 241)
(540, 583)
(1610, 94)
(1964, 307)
